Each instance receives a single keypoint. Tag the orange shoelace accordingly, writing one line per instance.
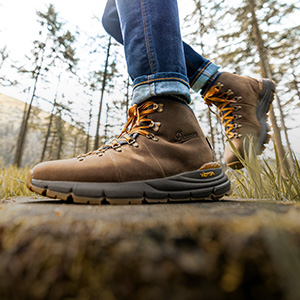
(222, 102)
(136, 123)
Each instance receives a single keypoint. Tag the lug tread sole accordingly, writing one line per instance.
(263, 108)
(209, 189)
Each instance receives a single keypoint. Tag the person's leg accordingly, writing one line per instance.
(199, 69)
(153, 49)
(243, 102)
(161, 154)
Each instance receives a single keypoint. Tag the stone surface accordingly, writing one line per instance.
(230, 249)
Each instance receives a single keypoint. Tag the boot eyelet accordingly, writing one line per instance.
(100, 154)
(220, 85)
(237, 107)
(135, 145)
(117, 147)
(237, 135)
(156, 126)
(236, 117)
(236, 126)
(230, 92)
(238, 98)
(81, 158)
(151, 136)
(131, 142)
(160, 107)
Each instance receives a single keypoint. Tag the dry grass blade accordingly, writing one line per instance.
(263, 178)
(12, 181)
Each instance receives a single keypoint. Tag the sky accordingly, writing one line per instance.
(19, 28)
(19, 25)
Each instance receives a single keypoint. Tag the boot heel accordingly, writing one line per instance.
(265, 100)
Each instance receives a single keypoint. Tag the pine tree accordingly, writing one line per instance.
(56, 51)
(87, 144)
(50, 122)
(39, 58)
(102, 76)
(266, 71)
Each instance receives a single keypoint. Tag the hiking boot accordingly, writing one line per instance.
(243, 104)
(160, 156)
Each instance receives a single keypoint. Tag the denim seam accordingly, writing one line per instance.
(160, 79)
(147, 37)
(200, 72)
(151, 89)
(207, 74)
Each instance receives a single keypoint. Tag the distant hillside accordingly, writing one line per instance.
(11, 115)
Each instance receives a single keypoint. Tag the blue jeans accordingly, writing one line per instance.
(158, 62)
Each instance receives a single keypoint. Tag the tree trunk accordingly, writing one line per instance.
(266, 73)
(51, 147)
(96, 143)
(75, 146)
(295, 82)
(201, 25)
(50, 122)
(106, 125)
(87, 145)
(24, 125)
(60, 132)
(284, 128)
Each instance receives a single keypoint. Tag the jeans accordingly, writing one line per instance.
(158, 61)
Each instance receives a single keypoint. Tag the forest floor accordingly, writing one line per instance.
(229, 249)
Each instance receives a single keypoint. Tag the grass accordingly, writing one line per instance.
(12, 181)
(260, 179)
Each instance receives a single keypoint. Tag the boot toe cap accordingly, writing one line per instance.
(88, 170)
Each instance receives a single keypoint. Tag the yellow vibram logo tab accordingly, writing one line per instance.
(207, 174)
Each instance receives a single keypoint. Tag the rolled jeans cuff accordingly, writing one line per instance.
(203, 75)
(161, 84)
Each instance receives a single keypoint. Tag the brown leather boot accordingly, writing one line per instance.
(160, 156)
(243, 104)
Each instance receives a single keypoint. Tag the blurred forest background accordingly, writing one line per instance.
(76, 91)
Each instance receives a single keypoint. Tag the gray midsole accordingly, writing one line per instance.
(181, 185)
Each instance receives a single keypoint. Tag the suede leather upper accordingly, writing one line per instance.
(249, 89)
(181, 147)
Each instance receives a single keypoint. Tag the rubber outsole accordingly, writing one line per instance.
(210, 184)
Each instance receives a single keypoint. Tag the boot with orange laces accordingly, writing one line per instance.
(243, 104)
(160, 156)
